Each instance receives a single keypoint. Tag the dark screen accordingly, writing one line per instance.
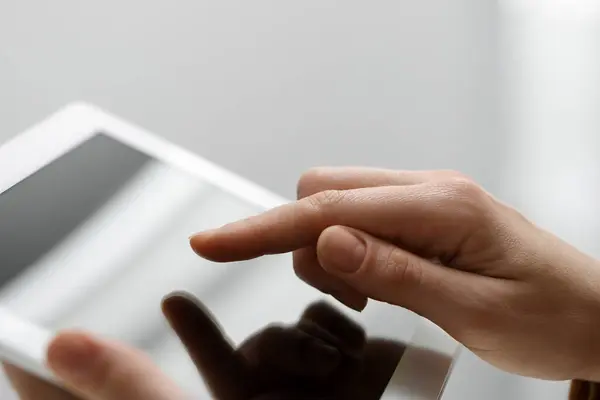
(40, 211)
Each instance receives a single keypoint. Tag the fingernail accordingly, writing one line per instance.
(72, 357)
(200, 234)
(343, 251)
(194, 237)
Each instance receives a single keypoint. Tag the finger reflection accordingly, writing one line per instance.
(324, 355)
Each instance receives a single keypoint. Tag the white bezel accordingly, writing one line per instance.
(73, 125)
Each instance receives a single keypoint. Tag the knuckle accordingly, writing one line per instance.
(310, 182)
(403, 269)
(260, 346)
(465, 187)
(470, 198)
(326, 199)
(273, 330)
(455, 175)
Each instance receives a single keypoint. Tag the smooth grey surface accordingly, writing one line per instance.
(271, 88)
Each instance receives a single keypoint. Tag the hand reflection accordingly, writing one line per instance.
(324, 355)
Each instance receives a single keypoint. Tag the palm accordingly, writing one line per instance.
(324, 355)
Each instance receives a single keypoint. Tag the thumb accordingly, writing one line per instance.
(101, 370)
(385, 272)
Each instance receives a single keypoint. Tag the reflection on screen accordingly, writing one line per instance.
(95, 239)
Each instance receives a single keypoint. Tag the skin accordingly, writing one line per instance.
(435, 243)
(324, 356)
(95, 369)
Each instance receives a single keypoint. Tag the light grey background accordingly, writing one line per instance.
(270, 88)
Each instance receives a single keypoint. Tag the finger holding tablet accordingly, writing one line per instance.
(91, 368)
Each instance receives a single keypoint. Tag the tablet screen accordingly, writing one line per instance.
(96, 238)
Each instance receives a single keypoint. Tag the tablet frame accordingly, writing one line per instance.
(429, 357)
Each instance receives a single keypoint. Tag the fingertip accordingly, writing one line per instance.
(198, 243)
(96, 368)
(185, 312)
(329, 243)
(341, 251)
(184, 301)
(328, 234)
(177, 297)
(71, 354)
(66, 340)
(189, 318)
(329, 253)
(214, 246)
(177, 306)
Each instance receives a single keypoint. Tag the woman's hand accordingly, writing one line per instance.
(324, 356)
(439, 245)
(95, 369)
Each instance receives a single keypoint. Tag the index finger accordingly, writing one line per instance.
(207, 345)
(392, 212)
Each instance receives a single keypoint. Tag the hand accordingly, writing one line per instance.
(95, 369)
(439, 245)
(324, 356)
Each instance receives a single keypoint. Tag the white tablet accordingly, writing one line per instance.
(95, 218)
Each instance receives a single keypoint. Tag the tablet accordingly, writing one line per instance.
(95, 215)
